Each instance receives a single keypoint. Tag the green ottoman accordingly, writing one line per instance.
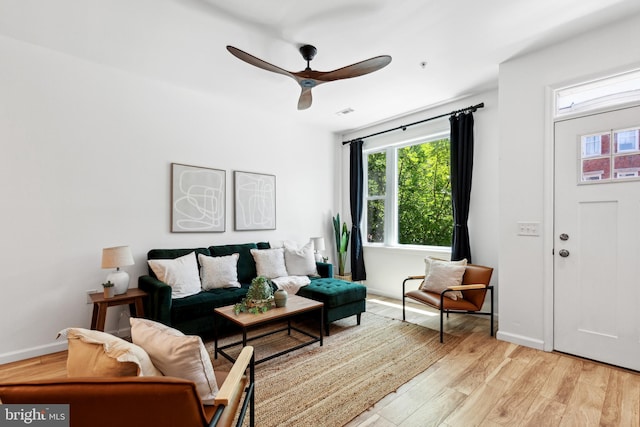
(341, 298)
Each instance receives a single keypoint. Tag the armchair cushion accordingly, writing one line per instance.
(440, 275)
(98, 354)
(177, 355)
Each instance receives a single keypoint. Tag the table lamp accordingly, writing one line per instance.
(318, 245)
(117, 257)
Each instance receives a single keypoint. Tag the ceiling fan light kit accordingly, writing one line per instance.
(308, 78)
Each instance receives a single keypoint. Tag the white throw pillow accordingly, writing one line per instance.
(219, 271)
(270, 262)
(442, 274)
(180, 273)
(98, 354)
(300, 261)
(177, 355)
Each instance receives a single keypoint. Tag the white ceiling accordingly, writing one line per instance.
(183, 42)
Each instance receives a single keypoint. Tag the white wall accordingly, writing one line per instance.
(85, 164)
(387, 267)
(526, 147)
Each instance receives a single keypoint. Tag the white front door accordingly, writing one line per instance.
(597, 237)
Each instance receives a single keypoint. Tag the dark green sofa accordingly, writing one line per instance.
(193, 315)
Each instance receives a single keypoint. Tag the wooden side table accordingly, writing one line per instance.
(133, 297)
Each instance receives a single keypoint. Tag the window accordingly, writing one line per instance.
(408, 193)
(597, 94)
(614, 151)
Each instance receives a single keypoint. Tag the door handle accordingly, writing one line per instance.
(564, 237)
(563, 253)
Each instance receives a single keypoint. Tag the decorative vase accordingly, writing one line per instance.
(280, 297)
(109, 292)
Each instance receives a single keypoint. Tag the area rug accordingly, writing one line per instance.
(356, 367)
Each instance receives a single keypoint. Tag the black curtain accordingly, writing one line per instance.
(358, 272)
(461, 171)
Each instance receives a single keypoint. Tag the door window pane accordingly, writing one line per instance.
(626, 140)
(626, 166)
(591, 146)
(599, 162)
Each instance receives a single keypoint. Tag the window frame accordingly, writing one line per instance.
(391, 190)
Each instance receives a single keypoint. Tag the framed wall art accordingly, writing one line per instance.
(255, 201)
(197, 199)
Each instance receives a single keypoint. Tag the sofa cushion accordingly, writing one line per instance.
(203, 303)
(172, 254)
(333, 292)
(180, 273)
(300, 261)
(246, 265)
(218, 271)
(99, 354)
(177, 355)
(269, 262)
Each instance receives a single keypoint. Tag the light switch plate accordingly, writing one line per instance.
(527, 228)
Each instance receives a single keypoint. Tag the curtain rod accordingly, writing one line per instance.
(472, 109)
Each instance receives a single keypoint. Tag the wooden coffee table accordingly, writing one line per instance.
(295, 305)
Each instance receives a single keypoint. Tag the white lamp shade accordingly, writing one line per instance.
(115, 257)
(318, 243)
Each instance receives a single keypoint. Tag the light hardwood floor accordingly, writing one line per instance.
(481, 382)
(486, 382)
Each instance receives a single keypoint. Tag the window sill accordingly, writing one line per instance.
(439, 251)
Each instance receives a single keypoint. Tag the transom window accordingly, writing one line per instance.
(597, 94)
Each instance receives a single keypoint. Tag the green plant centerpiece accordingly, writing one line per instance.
(259, 297)
(342, 242)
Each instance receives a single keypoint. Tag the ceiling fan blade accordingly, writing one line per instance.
(354, 70)
(305, 99)
(257, 62)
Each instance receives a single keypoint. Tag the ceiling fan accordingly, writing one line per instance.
(308, 78)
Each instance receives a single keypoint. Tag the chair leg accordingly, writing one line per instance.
(403, 297)
(491, 290)
(441, 325)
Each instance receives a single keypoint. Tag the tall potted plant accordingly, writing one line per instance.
(342, 242)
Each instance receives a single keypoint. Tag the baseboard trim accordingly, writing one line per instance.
(520, 340)
(54, 347)
(28, 353)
